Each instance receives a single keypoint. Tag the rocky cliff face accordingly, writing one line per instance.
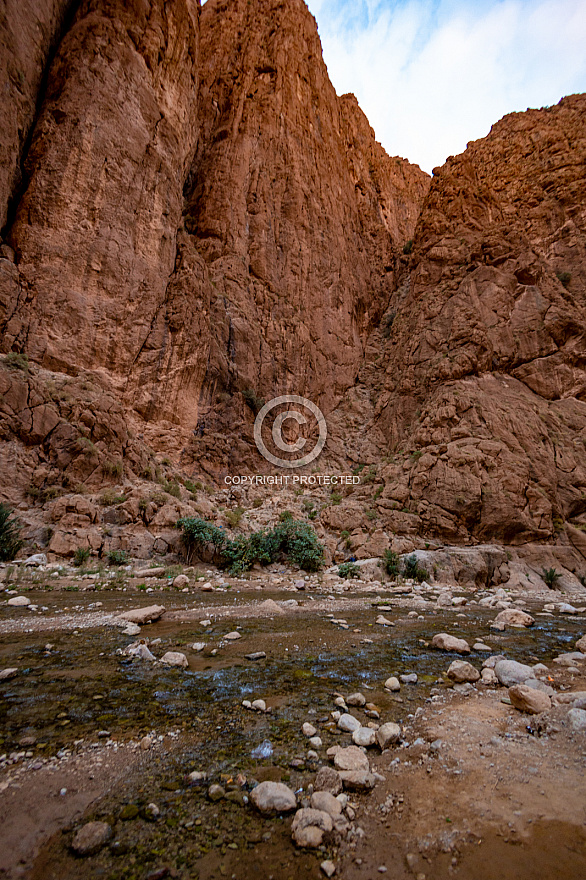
(193, 219)
(480, 386)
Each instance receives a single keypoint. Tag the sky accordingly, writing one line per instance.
(432, 75)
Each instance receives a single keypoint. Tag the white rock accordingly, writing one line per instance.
(328, 868)
(324, 800)
(577, 718)
(384, 621)
(198, 646)
(509, 672)
(446, 642)
(270, 798)
(19, 601)
(132, 629)
(364, 736)
(460, 671)
(348, 723)
(308, 729)
(36, 559)
(315, 742)
(175, 658)
(259, 705)
(143, 615)
(514, 617)
(357, 699)
(181, 581)
(351, 758)
(309, 827)
(393, 684)
(388, 734)
(10, 672)
(233, 636)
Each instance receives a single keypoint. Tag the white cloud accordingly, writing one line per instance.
(433, 74)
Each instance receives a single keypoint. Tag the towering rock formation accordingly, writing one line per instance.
(485, 362)
(193, 219)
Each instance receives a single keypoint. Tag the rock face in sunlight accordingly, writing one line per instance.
(193, 222)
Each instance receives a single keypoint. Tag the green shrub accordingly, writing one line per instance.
(312, 513)
(17, 361)
(285, 516)
(408, 246)
(233, 517)
(257, 503)
(291, 539)
(171, 487)
(10, 542)
(348, 570)
(391, 563)
(378, 493)
(191, 487)
(551, 578)
(197, 533)
(370, 513)
(412, 569)
(109, 498)
(112, 468)
(81, 556)
(370, 475)
(117, 557)
(336, 498)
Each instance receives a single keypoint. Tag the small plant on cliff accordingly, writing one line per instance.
(348, 570)
(17, 361)
(117, 557)
(252, 399)
(336, 498)
(391, 563)
(112, 468)
(412, 569)
(233, 517)
(10, 542)
(285, 516)
(81, 556)
(564, 277)
(551, 578)
(408, 246)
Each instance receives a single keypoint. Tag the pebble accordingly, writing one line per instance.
(388, 734)
(328, 779)
(364, 736)
(91, 838)
(198, 646)
(577, 718)
(271, 798)
(384, 621)
(446, 642)
(481, 647)
(461, 670)
(175, 658)
(409, 678)
(259, 705)
(233, 636)
(393, 684)
(308, 729)
(216, 792)
(527, 699)
(351, 758)
(309, 827)
(256, 655)
(356, 699)
(315, 742)
(328, 868)
(510, 672)
(348, 723)
(10, 672)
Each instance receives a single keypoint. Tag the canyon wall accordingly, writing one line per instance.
(193, 222)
